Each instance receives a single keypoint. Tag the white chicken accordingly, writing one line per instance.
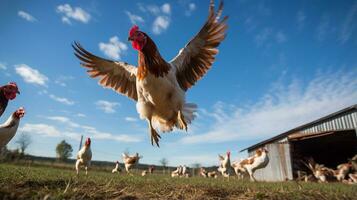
(116, 168)
(130, 161)
(9, 128)
(159, 87)
(84, 156)
(225, 164)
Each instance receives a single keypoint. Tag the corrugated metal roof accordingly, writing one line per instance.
(305, 126)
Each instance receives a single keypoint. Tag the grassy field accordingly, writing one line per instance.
(39, 182)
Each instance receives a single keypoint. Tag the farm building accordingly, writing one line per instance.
(330, 140)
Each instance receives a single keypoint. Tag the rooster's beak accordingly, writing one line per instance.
(18, 92)
(130, 39)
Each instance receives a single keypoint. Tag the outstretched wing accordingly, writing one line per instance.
(119, 76)
(197, 57)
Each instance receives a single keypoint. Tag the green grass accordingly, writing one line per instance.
(38, 182)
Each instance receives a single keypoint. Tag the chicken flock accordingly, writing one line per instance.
(159, 89)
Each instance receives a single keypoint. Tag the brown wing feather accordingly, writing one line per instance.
(119, 76)
(197, 57)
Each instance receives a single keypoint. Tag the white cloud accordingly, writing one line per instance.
(153, 9)
(40, 129)
(75, 13)
(107, 106)
(95, 134)
(323, 28)
(61, 80)
(349, 25)
(61, 100)
(280, 37)
(81, 115)
(52, 131)
(160, 24)
(131, 119)
(134, 19)
(162, 16)
(300, 18)
(114, 48)
(285, 107)
(263, 36)
(191, 8)
(26, 16)
(3, 66)
(166, 8)
(31, 75)
(64, 120)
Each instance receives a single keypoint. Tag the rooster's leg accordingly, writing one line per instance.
(181, 120)
(86, 170)
(155, 137)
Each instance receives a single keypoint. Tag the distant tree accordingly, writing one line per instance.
(195, 168)
(63, 150)
(164, 163)
(23, 141)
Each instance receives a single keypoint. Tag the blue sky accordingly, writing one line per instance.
(283, 63)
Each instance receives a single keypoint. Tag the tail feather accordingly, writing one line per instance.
(189, 113)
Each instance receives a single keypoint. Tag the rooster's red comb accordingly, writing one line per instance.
(12, 83)
(133, 30)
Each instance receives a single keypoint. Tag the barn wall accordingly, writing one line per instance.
(279, 166)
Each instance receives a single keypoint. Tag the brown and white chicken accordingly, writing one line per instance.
(9, 128)
(159, 87)
(84, 156)
(249, 165)
(342, 171)
(130, 161)
(225, 164)
(321, 173)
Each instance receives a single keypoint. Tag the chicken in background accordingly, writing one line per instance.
(9, 128)
(239, 169)
(7, 92)
(177, 172)
(116, 168)
(353, 177)
(130, 161)
(150, 170)
(84, 156)
(225, 164)
(166, 108)
(203, 172)
(185, 172)
(342, 171)
(258, 161)
(321, 173)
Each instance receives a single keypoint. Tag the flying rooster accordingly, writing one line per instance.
(156, 85)
(7, 92)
